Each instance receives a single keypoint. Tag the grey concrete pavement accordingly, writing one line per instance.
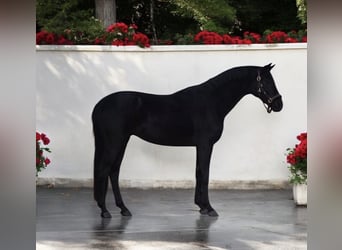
(167, 219)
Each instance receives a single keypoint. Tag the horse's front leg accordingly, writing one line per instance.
(202, 179)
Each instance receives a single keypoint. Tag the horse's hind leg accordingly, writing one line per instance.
(114, 178)
(101, 172)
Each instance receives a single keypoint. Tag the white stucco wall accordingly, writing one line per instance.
(71, 79)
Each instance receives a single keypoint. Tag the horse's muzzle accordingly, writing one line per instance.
(277, 104)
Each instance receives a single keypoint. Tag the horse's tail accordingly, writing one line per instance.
(94, 117)
(98, 123)
(98, 148)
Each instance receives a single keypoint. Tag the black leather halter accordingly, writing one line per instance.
(269, 99)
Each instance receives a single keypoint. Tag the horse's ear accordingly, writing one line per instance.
(269, 66)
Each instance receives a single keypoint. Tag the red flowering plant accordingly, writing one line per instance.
(276, 37)
(297, 158)
(207, 37)
(118, 34)
(48, 38)
(121, 34)
(251, 36)
(282, 37)
(227, 39)
(41, 161)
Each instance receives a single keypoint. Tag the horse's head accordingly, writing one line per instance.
(266, 89)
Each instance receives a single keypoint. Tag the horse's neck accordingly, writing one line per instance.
(229, 90)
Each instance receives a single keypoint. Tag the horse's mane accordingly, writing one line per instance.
(240, 72)
(231, 75)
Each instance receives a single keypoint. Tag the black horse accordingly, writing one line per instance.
(193, 116)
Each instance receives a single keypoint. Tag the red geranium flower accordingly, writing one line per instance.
(63, 41)
(246, 41)
(236, 40)
(47, 161)
(38, 137)
(117, 27)
(50, 38)
(276, 37)
(302, 137)
(252, 37)
(45, 139)
(118, 42)
(207, 37)
(41, 37)
(134, 26)
(227, 39)
(291, 40)
(141, 40)
(98, 41)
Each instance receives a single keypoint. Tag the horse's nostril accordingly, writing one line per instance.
(277, 105)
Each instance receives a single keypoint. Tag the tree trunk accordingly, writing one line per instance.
(153, 25)
(106, 11)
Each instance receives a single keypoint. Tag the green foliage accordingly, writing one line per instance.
(184, 39)
(213, 15)
(70, 17)
(166, 22)
(173, 20)
(260, 15)
(302, 10)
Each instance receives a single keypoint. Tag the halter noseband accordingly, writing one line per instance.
(269, 99)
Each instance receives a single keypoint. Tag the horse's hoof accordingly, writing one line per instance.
(212, 213)
(126, 213)
(204, 211)
(106, 214)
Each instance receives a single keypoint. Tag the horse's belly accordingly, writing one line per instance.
(169, 133)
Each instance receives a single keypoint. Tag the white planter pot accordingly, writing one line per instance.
(300, 194)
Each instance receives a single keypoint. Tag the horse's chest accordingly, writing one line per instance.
(209, 131)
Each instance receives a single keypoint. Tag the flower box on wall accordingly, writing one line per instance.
(300, 192)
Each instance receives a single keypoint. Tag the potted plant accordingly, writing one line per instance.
(41, 161)
(297, 160)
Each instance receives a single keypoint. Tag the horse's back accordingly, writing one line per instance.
(117, 109)
(133, 101)
(126, 107)
(159, 119)
(117, 100)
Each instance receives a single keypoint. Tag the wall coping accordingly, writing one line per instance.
(161, 184)
(172, 48)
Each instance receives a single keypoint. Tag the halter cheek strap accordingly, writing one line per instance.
(261, 90)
